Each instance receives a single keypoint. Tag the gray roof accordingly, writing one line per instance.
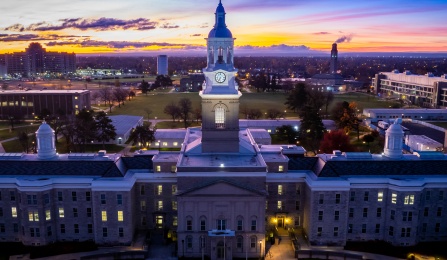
(123, 123)
(103, 168)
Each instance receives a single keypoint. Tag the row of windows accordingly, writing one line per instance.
(221, 224)
(158, 205)
(281, 189)
(158, 189)
(239, 243)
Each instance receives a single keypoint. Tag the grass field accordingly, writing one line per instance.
(440, 124)
(263, 101)
(6, 133)
(14, 146)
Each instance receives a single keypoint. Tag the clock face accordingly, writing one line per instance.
(220, 77)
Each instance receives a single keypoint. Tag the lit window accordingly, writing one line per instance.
(280, 192)
(160, 205)
(219, 114)
(174, 189)
(120, 216)
(47, 214)
(174, 205)
(280, 205)
(158, 168)
(165, 143)
(269, 131)
(380, 196)
(104, 216)
(14, 212)
(409, 200)
(159, 189)
(394, 198)
(280, 168)
(143, 205)
(175, 143)
(174, 221)
(61, 213)
(76, 97)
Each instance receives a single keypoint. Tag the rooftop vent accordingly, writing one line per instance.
(81, 156)
(9, 156)
(102, 152)
(336, 152)
(407, 72)
(429, 74)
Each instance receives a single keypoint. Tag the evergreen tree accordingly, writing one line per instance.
(105, 129)
(311, 130)
(142, 135)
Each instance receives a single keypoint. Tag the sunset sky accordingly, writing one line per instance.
(178, 27)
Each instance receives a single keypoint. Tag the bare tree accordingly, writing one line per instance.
(274, 113)
(173, 110)
(197, 114)
(185, 107)
(148, 112)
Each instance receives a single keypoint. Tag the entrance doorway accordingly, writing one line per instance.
(280, 221)
(220, 250)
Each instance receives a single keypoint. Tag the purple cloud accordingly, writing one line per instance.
(196, 35)
(116, 44)
(321, 33)
(169, 26)
(101, 24)
(33, 37)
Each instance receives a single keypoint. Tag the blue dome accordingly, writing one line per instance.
(220, 32)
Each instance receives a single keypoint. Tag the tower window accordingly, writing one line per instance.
(220, 117)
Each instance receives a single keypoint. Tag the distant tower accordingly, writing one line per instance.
(220, 95)
(334, 59)
(394, 140)
(35, 59)
(46, 148)
(162, 65)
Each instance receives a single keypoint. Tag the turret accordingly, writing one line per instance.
(394, 140)
(46, 148)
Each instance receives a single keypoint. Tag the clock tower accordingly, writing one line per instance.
(220, 95)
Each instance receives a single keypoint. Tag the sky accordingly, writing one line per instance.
(261, 27)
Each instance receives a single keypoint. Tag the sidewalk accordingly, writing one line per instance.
(283, 250)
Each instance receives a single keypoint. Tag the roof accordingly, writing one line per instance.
(220, 32)
(104, 168)
(327, 76)
(170, 134)
(418, 164)
(124, 123)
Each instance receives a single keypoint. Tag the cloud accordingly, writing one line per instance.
(101, 24)
(34, 37)
(118, 44)
(321, 33)
(345, 38)
(280, 47)
(196, 35)
(169, 26)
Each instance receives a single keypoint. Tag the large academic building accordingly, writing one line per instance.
(223, 190)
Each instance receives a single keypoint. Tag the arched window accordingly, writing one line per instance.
(202, 223)
(239, 223)
(189, 243)
(240, 243)
(219, 116)
(188, 223)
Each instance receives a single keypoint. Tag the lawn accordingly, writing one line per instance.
(263, 101)
(440, 124)
(6, 133)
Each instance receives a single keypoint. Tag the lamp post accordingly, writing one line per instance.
(260, 249)
(159, 149)
(183, 248)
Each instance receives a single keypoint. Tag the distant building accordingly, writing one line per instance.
(162, 65)
(375, 114)
(36, 61)
(422, 90)
(192, 83)
(124, 125)
(334, 59)
(27, 104)
(331, 81)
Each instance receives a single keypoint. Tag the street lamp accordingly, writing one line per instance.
(260, 249)
(158, 145)
(183, 248)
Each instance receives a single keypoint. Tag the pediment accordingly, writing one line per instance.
(222, 188)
